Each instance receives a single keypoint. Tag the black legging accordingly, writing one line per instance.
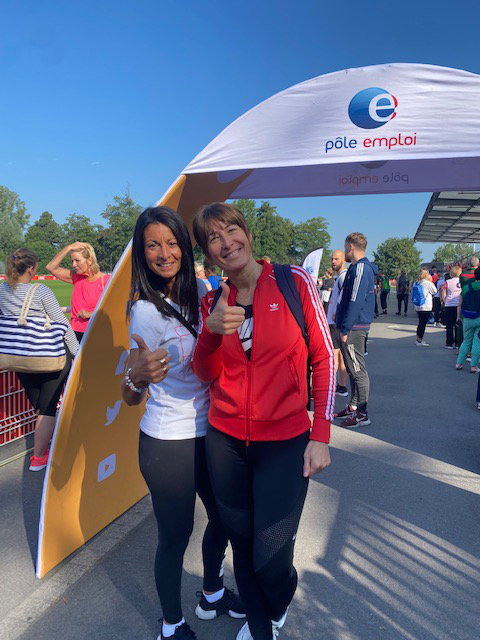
(450, 320)
(174, 471)
(260, 492)
(383, 300)
(44, 389)
(423, 317)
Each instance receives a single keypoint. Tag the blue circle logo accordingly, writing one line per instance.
(372, 108)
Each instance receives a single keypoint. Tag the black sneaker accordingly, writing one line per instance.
(341, 391)
(229, 603)
(183, 632)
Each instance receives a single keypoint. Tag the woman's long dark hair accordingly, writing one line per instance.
(147, 285)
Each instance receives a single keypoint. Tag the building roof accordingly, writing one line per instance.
(451, 216)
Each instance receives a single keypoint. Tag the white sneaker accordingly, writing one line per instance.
(421, 344)
(244, 633)
(478, 406)
(278, 624)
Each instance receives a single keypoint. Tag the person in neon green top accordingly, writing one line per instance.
(471, 325)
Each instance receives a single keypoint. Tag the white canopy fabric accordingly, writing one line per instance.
(382, 129)
(451, 217)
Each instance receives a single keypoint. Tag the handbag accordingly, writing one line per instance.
(31, 344)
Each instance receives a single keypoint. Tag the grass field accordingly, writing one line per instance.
(62, 291)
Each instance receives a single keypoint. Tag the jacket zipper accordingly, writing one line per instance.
(249, 378)
(247, 412)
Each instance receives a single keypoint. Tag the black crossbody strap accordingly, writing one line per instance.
(180, 318)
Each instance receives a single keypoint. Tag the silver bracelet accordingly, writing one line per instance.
(129, 383)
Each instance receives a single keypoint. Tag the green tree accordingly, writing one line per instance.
(451, 252)
(12, 207)
(249, 210)
(308, 236)
(13, 220)
(121, 217)
(11, 237)
(45, 237)
(78, 228)
(272, 234)
(395, 254)
(45, 229)
(45, 253)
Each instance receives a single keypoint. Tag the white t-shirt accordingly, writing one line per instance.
(336, 296)
(429, 290)
(177, 407)
(453, 291)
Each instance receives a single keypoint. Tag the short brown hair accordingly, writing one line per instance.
(18, 263)
(216, 212)
(358, 240)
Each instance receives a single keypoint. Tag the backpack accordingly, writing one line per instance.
(471, 303)
(288, 289)
(418, 295)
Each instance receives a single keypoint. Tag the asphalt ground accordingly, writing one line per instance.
(388, 546)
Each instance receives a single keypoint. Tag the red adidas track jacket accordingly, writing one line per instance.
(265, 398)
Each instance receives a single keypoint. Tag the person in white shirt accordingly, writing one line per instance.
(424, 310)
(339, 268)
(450, 294)
(164, 318)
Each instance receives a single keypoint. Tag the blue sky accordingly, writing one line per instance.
(98, 97)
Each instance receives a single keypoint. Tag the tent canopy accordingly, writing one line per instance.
(451, 216)
(382, 129)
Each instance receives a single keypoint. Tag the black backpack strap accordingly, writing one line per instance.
(288, 288)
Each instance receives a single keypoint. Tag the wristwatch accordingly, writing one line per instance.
(129, 383)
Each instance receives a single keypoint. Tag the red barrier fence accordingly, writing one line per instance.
(17, 416)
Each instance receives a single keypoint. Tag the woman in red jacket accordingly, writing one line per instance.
(262, 448)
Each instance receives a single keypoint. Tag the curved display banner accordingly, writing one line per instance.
(382, 129)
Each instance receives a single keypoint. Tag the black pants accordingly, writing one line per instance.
(353, 352)
(450, 320)
(383, 300)
(423, 317)
(175, 470)
(438, 312)
(376, 305)
(402, 297)
(44, 389)
(260, 492)
(79, 335)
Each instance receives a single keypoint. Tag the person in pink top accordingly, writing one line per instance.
(87, 279)
(450, 296)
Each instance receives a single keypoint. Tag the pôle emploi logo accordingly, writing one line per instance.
(372, 108)
(369, 109)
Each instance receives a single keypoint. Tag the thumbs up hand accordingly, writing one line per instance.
(224, 319)
(149, 366)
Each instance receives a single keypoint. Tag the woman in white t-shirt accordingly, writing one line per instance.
(164, 316)
(428, 290)
(450, 294)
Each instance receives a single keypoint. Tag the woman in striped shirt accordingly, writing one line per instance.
(43, 389)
